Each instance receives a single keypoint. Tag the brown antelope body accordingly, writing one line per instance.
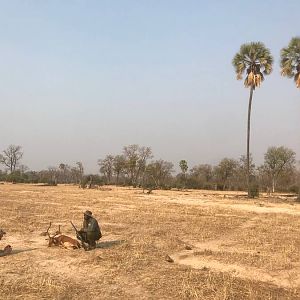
(59, 239)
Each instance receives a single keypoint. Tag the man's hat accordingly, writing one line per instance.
(88, 213)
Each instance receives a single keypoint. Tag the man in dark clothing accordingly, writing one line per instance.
(90, 232)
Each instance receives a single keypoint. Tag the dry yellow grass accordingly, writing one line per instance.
(240, 249)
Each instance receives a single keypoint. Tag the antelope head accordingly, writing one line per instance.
(53, 239)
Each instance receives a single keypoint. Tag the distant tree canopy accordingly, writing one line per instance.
(279, 161)
(129, 167)
(135, 167)
(158, 174)
(182, 178)
(183, 166)
(107, 167)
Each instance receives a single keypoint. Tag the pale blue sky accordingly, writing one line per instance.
(82, 79)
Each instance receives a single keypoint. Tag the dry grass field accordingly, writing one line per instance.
(223, 245)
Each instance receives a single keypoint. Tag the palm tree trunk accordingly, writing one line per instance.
(248, 141)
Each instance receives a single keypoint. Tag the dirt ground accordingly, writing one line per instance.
(166, 245)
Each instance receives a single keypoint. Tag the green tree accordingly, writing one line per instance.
(157, 174)
(290, 60)
(225, 172)
(254, 60)
(277, 161)
(202, 176)
(183, 167)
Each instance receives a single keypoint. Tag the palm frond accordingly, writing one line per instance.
(253, 59)
(290, 60)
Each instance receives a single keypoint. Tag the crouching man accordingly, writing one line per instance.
(90, 231)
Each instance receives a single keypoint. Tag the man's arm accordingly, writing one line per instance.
(84, 226)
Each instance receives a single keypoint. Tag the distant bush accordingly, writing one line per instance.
(15, 177)
(89, 181)
(294, 189)
(52, 183)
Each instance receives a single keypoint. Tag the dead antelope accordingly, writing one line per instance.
(59, 239)
(2, 232)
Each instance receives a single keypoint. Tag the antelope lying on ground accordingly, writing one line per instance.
(59, 239)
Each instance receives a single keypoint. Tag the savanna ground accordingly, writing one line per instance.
(238, 248)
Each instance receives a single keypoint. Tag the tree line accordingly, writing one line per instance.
(135, 166)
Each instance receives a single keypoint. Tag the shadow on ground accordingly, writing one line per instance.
(108, 244)
(17, 251)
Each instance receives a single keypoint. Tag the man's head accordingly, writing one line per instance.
(87, 214)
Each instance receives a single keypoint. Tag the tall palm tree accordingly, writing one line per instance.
(255, 60)
(290, 64)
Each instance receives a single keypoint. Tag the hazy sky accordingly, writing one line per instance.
(82, 79)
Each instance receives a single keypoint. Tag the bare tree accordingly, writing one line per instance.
(106, 167)
(135, 161)
(65, 173)
(79, 170)
(11, 157)
(52, 174)
(80, 167)
(118, 166)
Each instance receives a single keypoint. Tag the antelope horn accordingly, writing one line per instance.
(48, 230)
(57, 232)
